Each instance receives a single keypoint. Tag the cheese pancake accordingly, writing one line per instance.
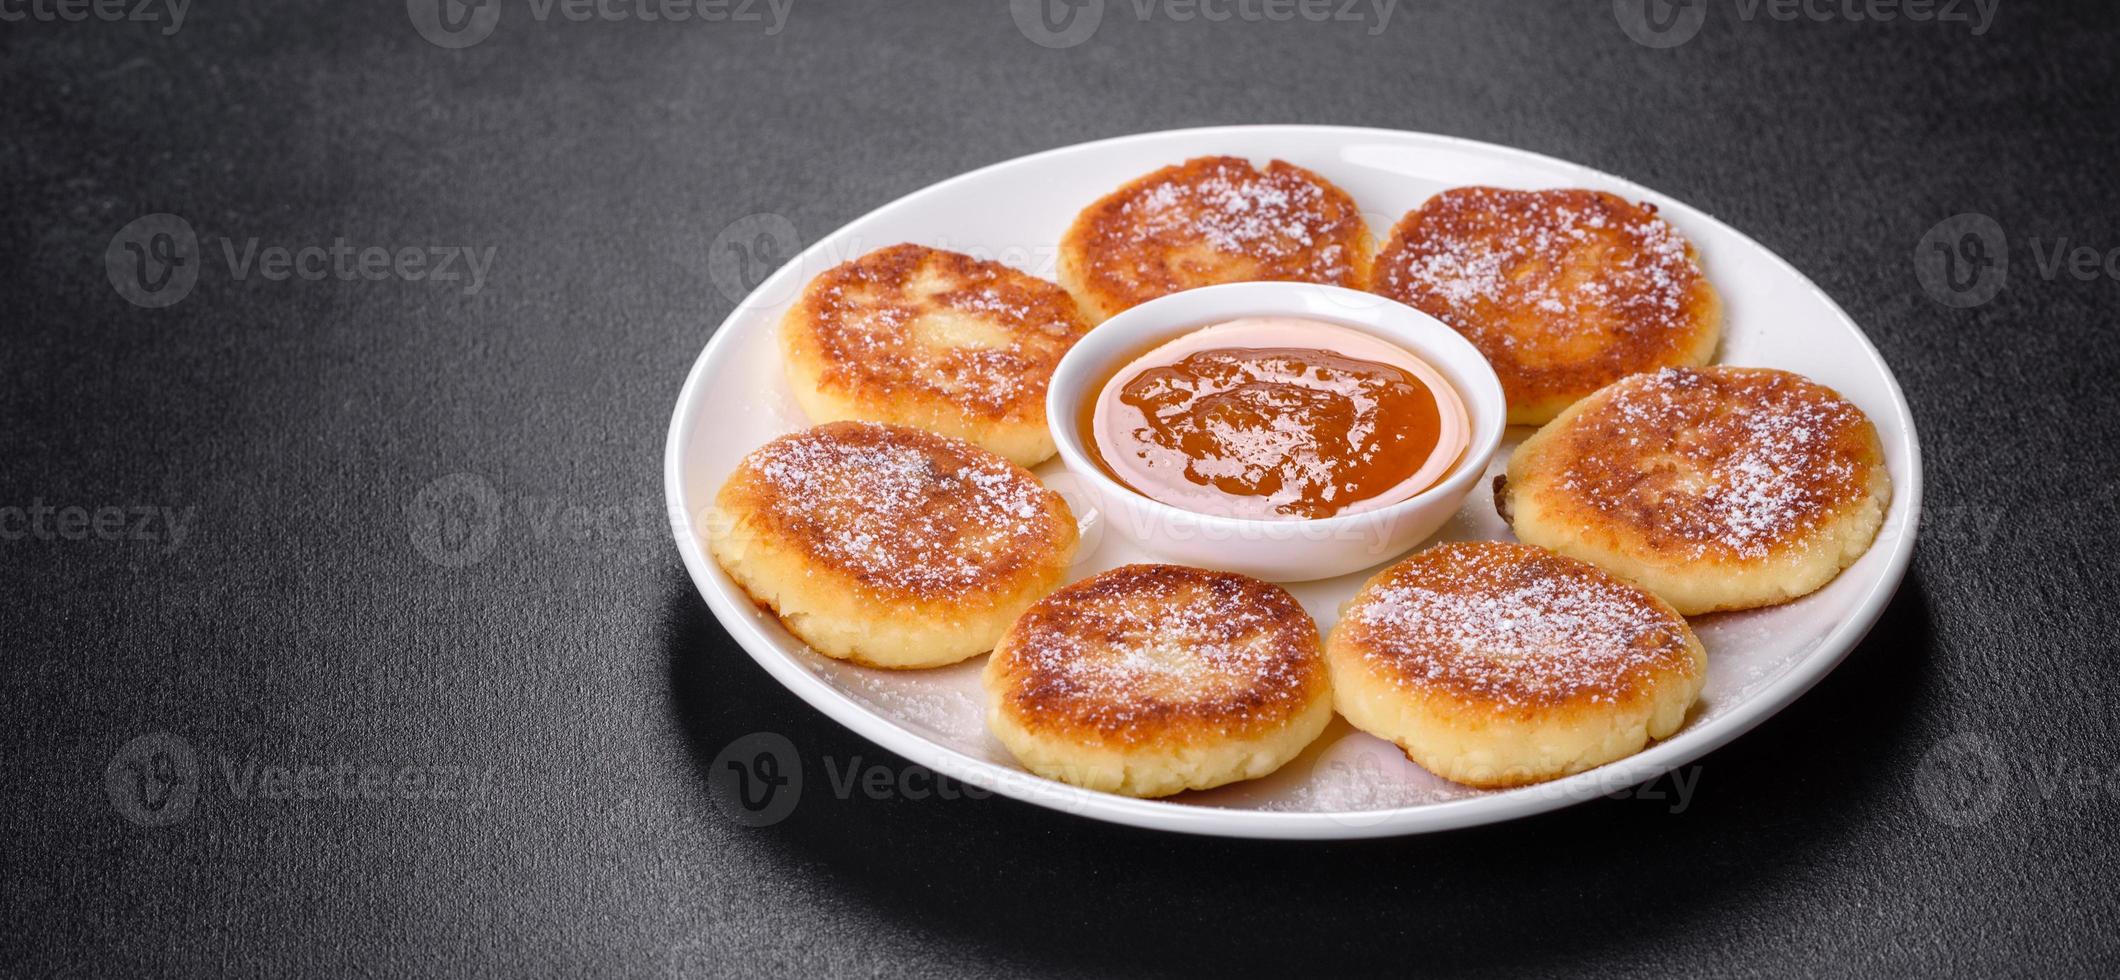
(937, 340)
(889, 546)
(1495, 664)
(1564, 291)
(1148, 680)
(1716, 488)
(1213, 220)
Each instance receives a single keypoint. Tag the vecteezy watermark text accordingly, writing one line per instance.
(40, 521)
(156, 260)
(1965, 779)
(462, 23)
(1965, 259)
(1067, 23)
(748, 250)
(456, 520)
(156, 780)
(1365, 783)
(168, 13)
(757, 780)
(1670, 23)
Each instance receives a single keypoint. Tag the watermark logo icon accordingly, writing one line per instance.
(454, 24)
(1963, 261)
(1057, 24)
(1660, 23)
(455, 520)
(747, 251)
(157, 260)
(757, 779)
(153, 780)
(153, 261)
(1962, 780)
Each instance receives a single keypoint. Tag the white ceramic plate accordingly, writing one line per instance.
(1348, 784)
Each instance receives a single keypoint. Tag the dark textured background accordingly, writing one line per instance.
(1945, 801)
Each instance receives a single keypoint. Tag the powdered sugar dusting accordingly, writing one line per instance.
(1485, 252)
(1139, 644)
(910, 318)
(1240, 212)
(1736, 461)
(903, 509)
(1515, 625)
(1549, 283)
(1282, 222)
(945, 701)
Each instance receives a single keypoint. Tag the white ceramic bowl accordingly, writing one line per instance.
(1287, 550)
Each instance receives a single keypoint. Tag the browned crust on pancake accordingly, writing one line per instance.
(1512, 630)
(857, 317)
(1213, 220)
(1564, 291)
(901, 514)
(1729, 465)
(1073, 664)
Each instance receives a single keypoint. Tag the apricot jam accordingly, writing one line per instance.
(1276, 419)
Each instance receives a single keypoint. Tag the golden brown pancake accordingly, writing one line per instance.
(1564, 291)
(937, 340)
(1212, 220)
(889, 546)
(1495, 664)
(1151, 679)
(1715, 488)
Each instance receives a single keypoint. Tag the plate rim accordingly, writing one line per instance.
(1650, 763)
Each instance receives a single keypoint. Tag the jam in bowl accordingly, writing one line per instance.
(1289, 431)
